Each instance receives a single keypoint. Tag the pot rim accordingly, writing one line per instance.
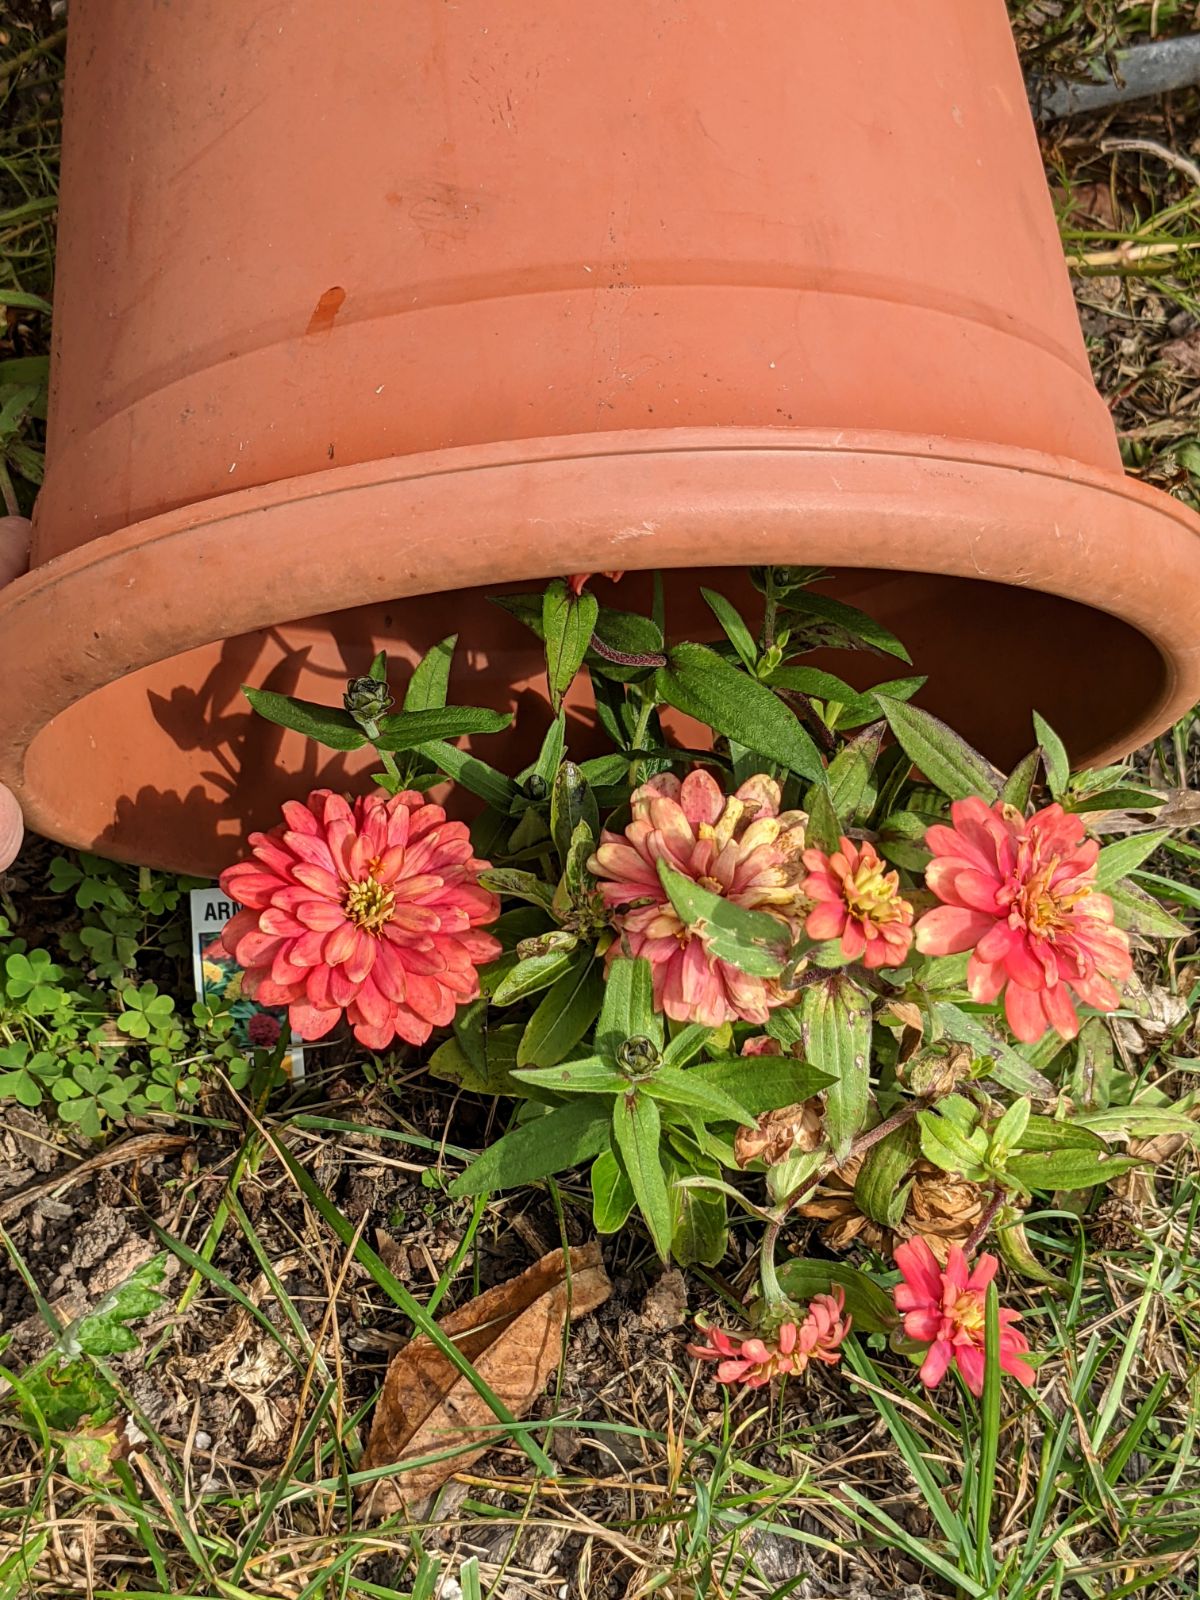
(538, 508)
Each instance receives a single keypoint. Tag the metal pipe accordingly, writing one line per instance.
(1144, 70)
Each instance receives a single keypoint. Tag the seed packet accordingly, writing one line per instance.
(219, 981)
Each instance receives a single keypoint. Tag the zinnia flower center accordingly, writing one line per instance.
(967, 1315)
(871, 893)
(369, 904)
(1038, 907)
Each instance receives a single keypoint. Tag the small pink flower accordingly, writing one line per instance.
(946, 1311)
(739, 846)
(1021, 896)
(858, 901)
(579, 579)
(371, 909)
(754, 1361)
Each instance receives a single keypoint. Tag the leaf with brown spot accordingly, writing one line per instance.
(512, 1334)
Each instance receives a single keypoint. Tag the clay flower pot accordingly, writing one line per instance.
(365, 310)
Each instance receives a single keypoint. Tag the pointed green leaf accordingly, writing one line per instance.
(572, 805)
(408, 730)
(752, 941)
(835, 1020)
(488, 1071)
(813, 682)
(1067, 1169)
(566, 1012)
(699, 1219)
(870, 1306)
(430, 679)
(591, 1075)
(687, 1044)
(849, 619)
(628, 1010)
(1118, 860)
(328, 725)
(1008, 1068)
(946, 760)
(734, 628)
(866, 707)
(1054, 753)
(678, 1087)
(1018, 786)
(549, 1143)
(533, 975)
(703, 685)
(377, 671)
(637, 1135)
(475, 775)
(1137, 912)
(567, 626)
(612, 1193)
(880, 1189)
(849, 773)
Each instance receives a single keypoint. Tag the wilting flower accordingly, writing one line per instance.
(579, 579)
(739, 846)
(940, 1207)
(858, 901)
(373, 909)
(780, 1133)
(945, 1309)
(1021, 896)
(755, 1361)
(762, 1044)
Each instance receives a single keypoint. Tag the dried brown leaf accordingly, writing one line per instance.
(512, 1335)
(779, 1134)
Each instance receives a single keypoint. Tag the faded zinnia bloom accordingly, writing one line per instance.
(371, 908)
(945, 1309)
(755, 1361)
(1020, 894)
(578, 580)
(739, 846)
(858, 902)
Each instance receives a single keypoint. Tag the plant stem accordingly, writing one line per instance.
(387, 759)
(979, 1232)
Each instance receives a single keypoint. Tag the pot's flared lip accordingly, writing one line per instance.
(482, 515)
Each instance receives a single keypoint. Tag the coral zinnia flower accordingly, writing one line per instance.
(754, 1362)
(738, 846)
(1021, 895)
(579, 579)
(945, 1309)
(858, 901)
(371, 909)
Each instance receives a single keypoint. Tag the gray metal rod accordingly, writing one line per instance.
(1145, 70)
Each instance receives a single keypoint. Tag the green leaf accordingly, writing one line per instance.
(1054, 752)
(813, 682)
(1008, 1068)
(1067, 1169)
(20, 301)
(677, 1086)
(492, 786)
(1137, 912)
(519, 885)
(836, 1021)
(880, 1190)
(328, 725)
(553, 1142)
(1015, 1251)
(687, 1044)
(637, 1134)
(850, 619)
(409, 730)
(612, 1193)
(865, 707)
(824, 825)
(699, 1219)
(1018, 786)
(572, 805)
(752, 941)
(735, 629)
(945, 759)
(567, 626)
(1123, 799)
(430, 679)
(490, 1073)
(1051, 1133)
(377, 671)
(701, 684)
(628, 1010)
(870, 1306)
(533, 975)
(592, 1075)
(948, 1148)
(566, 1012)
(1138, 1122)
(1008, 1133)
(848, 776)
(763, 1083)
(1117, 861)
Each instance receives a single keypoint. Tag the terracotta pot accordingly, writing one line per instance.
(365, 310)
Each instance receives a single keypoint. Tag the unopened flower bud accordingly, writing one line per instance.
(366, 699)
(637, 1057)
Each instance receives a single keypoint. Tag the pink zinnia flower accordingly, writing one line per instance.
(1021, 896)
(946, 1310)
(762, 1044)
(754, 1362)
(371, 909)
(738, 846)
(579, 579)
(858, 901)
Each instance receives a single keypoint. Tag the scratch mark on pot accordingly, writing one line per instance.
(327, 308)
(645, 530)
